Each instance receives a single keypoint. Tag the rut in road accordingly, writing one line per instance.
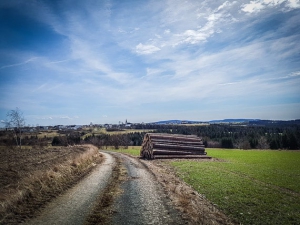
(73, 207)
(142, 200)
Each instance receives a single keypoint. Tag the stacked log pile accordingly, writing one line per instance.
(156, 145)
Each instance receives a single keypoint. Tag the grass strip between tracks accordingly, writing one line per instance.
(103, 210)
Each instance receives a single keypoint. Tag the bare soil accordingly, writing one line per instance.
(31, 177)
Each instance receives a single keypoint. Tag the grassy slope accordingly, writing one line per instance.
(253, 187)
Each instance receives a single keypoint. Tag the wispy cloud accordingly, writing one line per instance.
(114, 57)
(19, 64)
(295, 74)
(60, 61)
(258, 5)
(146, 49)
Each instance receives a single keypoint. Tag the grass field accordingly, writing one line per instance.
(98, 131)
(132, 150)
(123, 131)
(249, 186)
(252, 187)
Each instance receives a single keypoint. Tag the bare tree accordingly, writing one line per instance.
(15, 123)
(263, 143)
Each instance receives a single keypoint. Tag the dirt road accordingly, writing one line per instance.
(141, 200)
(73, 207)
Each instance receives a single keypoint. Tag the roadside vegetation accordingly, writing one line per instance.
(132, 150)
(29, 177)
(251, 187)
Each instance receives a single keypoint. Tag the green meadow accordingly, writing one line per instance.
(251, 187)
(132, 150)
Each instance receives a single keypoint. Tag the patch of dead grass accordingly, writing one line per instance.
(103, 210)
(195, 208)
(31, 190)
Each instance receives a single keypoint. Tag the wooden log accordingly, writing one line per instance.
(179, 142)
(171, 135)
(191, 138)
(156, 144)
(168, 152)
(179, 152)
(177, 147)
(184, 151)
(182, 157)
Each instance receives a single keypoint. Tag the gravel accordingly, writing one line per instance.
(73, 207)
(143, 200)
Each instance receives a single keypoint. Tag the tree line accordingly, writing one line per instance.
(263, 135)
(213, 136)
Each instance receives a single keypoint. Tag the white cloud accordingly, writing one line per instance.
(295, 74)
(176, 62)
(294, 4)
(65, 117)
(146, 49)
(273, 2)
(258, 5)
(253, 6)
(212, 26)
(193, 36)
(225, 5)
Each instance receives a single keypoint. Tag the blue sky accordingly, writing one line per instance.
(76, 62)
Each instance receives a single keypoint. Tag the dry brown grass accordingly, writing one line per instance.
(103, 210)
(195, 208)
(40, 176)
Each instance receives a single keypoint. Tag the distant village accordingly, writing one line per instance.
(108, 127)
(129, 125)
(121, 125)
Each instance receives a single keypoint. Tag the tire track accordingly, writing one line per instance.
(73, 207)
(142, 200)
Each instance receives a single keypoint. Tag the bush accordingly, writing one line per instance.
(59, 141)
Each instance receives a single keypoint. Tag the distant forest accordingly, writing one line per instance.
(241, 136)
(272, 136)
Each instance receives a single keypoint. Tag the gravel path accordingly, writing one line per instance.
(142, 200)
(73, 207)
